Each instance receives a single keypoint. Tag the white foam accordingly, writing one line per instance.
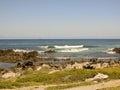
(74, 50)
(40, 51)
(20, 50)
(110, 51)
(67, 46)
(43, 46)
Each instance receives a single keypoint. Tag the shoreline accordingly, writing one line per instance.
(48, 70)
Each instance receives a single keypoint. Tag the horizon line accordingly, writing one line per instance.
(57, 38)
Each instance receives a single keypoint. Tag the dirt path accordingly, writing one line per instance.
(112, 83)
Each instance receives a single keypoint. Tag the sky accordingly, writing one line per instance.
(52, 19)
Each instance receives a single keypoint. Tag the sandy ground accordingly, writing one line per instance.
(112, 83)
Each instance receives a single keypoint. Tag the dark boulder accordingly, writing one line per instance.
(28, 63)
(50, 51)
(88, 66)
(117, 50)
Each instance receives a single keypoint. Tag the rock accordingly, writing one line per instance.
(117, 50)
(77, 65)
(45, 65)
(99, 76)
(19, 65)
(110, 51)
(28, 63)
(53, 71)
(17, 69)
(10, 74)
(98, 65)
(105, 65)
(68, 67)
(50, 51)
(38, 68)
(89, 66)
(10, 55)
(2, 71)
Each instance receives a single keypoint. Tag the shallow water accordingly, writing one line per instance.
(6, 66)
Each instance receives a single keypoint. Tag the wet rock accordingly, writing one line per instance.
(9, 55)
(117, 50)
(19, 65)
(28, 63)
(50, 51)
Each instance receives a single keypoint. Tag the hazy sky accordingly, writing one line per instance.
(59, 18)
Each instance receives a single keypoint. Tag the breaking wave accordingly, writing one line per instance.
(110, 51)
(21, 50)
(62, 47)
(67, 46)
(74, 50)
(43, 46)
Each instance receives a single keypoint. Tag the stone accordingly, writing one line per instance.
(98, 65)
(45, 66)
(10, 74)
(68, 67)
(50, 51)
(77, 65)
(38, 68)
(105, 65)
(89, 66)
(99, 76)
(53, 71)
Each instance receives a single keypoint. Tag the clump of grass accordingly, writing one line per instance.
(10, 84)
(112, 72)
(59, 77)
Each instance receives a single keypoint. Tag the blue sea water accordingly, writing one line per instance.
(64, 47)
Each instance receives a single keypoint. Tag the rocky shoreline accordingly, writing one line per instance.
(31, 61)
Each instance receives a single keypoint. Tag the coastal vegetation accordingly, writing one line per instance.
(30, 77)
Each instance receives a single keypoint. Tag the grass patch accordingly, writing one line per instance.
(62, 77)
(59, 77)
(10, 84)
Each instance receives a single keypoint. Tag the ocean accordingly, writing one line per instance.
(64, 47)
